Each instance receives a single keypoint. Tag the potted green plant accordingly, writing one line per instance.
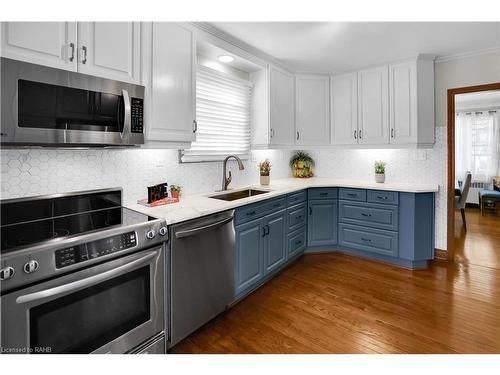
(380, 171)
(265, 171)
(175, 191)
(302, 164)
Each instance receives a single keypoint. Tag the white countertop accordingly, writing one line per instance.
(194, 206)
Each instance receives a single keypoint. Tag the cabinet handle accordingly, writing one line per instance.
(298, 242)
(298, 135)
(264, 231)
(268, 229)
(359, 134)
(323, 194)
(381, 197)
(250, 213)
(84, 49)
(392, 133)
(352, 195)
(195, 126)
(272, 132)
(72, 57)
(366, 215)
(355, 134)
(310, 211)
(299, 217)
(366, 239)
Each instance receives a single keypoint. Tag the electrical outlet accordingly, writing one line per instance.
(420, 155)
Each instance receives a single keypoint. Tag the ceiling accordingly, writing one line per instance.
(333, 47)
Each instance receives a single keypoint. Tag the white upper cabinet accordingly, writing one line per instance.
(312, 108)
(110, 50)
(51, 44)
(281, 89)
(411, 108)
(344, 107)
(171, 82)
(373, 106)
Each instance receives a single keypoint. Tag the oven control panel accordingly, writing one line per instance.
(95, 249)
(137, 109)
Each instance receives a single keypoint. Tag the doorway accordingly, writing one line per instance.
(474, 175)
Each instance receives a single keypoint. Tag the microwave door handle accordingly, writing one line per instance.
(83, 283)
(127, 114)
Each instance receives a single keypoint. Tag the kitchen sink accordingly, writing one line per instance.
(240, 194)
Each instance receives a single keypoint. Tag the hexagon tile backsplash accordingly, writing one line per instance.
(28, 172)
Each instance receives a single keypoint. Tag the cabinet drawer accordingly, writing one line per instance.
(296, 242)
(369, 214)
(253, 211)
(379, 196)
(352, 194)
(296, 216)
(368, 239)
(323, 193)
(296, 197)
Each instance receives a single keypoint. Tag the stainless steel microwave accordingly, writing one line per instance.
(42, 106)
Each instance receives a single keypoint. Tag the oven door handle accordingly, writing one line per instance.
(89, 281)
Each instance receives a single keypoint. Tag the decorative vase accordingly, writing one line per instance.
(175, 194)
(264, 180)
(380, 177)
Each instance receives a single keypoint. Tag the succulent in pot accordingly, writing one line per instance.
(302, 164)
(380, 171)
(175, 191)
(265, 171)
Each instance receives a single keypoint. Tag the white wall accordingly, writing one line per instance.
(459, 72)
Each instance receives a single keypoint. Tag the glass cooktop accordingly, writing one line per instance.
(27, 223)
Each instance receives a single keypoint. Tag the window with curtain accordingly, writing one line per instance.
(223, 117)
(477, 145)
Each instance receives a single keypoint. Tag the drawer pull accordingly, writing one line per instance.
(264, 231)
(366, 239)
(323, 194)
(366, 215)
(382, 197)
(354, 195)
(276, 205)
(298, 242)
(250, 213)
(310, 210)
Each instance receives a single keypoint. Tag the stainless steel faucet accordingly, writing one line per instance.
(227, 181)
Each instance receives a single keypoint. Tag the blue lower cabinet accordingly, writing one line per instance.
(322, 222)
(297, 242)
(382, 216)
(274, 241)
(369, 239)
(249, 254)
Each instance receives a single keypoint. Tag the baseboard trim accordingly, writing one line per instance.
(440, 254)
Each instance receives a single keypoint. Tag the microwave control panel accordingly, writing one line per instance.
(91, 250)
(137, 112)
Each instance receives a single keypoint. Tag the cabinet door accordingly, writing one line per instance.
(110, 50)
(172, 90)
(282, 118)
(322, 223)
(249, 254)
(275, 247)
(312, 110)
(45, 43)
(403, 103)
(373, 106)
(344, 99)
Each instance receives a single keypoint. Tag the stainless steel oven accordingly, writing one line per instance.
(54, 107)
(112, 307)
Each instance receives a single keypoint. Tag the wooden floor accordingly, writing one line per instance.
(480, 244)
(334, 303)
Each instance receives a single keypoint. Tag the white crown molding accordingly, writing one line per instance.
(464, 55)
(212, 30)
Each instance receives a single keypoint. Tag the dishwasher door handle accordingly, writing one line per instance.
(195, 231)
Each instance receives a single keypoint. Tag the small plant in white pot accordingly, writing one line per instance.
(265, 171)
(380, 171)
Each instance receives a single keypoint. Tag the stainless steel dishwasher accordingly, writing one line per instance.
(201, 271)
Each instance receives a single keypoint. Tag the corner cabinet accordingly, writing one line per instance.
(52, 44)
(104, 49)
(312, 108)
(170, 76)
(273, 108)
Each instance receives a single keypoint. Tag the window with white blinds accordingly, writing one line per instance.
(223, 117)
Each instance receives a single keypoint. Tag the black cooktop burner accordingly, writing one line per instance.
(28, 223)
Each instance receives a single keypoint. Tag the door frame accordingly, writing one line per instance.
(451, 159)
